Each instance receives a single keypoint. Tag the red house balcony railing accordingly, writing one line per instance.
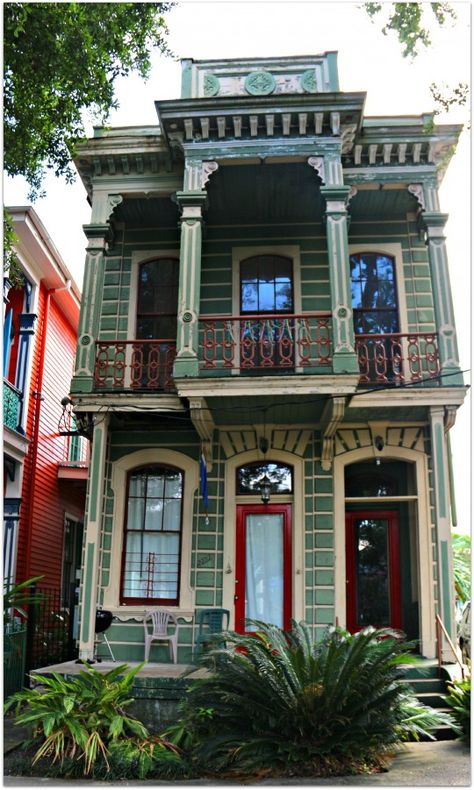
(265, 342)
(397, 358)
(135, 365)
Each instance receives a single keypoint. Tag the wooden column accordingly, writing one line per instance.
(445, 577)
(344, 355)
(434, 223)
(192, 201)
(92, 539)
(91, 303)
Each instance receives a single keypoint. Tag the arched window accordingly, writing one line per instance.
(374, 293)
(249, 477)
(152, 539)
(266, 284)
(157, 299)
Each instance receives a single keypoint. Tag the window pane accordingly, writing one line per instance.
(266, 296)
(135, 514)
(373, 605)
(173, 485)
(155, 486)
(283, 299)
(356, 294)
(172, 515)
(249, 297)
(249, 478)
(137, 485)
(154, 514)
(151, 566)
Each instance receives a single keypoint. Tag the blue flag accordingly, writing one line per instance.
(204, 494)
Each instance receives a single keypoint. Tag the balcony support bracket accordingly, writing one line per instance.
(332, 417)
(204, 424)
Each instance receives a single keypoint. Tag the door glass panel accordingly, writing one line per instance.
(372, 575)
(264, 568)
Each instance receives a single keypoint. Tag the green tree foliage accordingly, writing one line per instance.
(406, 20)
(280, 701)
(61, 59)
(410, 22)
(462, 566)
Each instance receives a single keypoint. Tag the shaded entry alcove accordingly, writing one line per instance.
(382, 577)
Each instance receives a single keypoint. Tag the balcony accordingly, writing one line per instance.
(135, 365)
(398, 358)
(11, 405)
(264, 346)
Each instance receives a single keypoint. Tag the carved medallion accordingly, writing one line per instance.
(260, 83)
(309, 82)
(211, 85)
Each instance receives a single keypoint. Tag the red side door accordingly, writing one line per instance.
(373, 570)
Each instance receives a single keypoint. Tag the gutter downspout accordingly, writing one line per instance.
(36, 424)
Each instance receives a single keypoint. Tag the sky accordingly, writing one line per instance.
(367, 61)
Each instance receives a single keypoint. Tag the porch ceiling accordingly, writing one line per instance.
(275, 409)
(267, 193)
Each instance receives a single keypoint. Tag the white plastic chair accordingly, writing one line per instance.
(159, 620)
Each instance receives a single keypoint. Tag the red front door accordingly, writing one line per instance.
(372, 570)
(263, 566)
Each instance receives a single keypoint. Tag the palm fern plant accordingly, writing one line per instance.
(459, 699)
(78, 717)
(17, 596)
(284, 701)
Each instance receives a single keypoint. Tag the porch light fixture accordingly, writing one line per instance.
(265, 489)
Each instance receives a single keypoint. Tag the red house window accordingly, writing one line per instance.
(152, 539)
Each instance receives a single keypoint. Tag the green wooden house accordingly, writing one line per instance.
(267, 362)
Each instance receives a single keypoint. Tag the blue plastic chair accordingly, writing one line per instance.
(209, 622)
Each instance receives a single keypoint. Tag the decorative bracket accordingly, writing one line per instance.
(197, 173)
(317, 163)
(203, 422)
(418, 192)
(331, 418)
(449, 417)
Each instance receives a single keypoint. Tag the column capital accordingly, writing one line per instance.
(336, 195)
(98, 235)
(192, 203)
(434, 222)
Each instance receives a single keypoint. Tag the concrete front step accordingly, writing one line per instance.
(428, 685)
(428, 681)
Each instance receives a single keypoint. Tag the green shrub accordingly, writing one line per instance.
(460, 701)
(79, 718)
(285, 702)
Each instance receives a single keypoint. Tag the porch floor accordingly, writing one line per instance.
(150, 670)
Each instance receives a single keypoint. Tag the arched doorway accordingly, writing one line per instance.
(381, 550)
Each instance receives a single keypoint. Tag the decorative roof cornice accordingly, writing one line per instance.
(409, 141)
(236, 118)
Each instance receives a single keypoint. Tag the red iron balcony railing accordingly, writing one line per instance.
(397, 358)
(266, 345)
(135, 364)
(265, 342)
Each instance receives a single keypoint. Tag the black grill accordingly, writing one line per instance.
(103, 619)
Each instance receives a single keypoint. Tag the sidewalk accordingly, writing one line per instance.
(438, 764)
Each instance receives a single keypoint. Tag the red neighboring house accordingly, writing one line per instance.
(44, 470)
